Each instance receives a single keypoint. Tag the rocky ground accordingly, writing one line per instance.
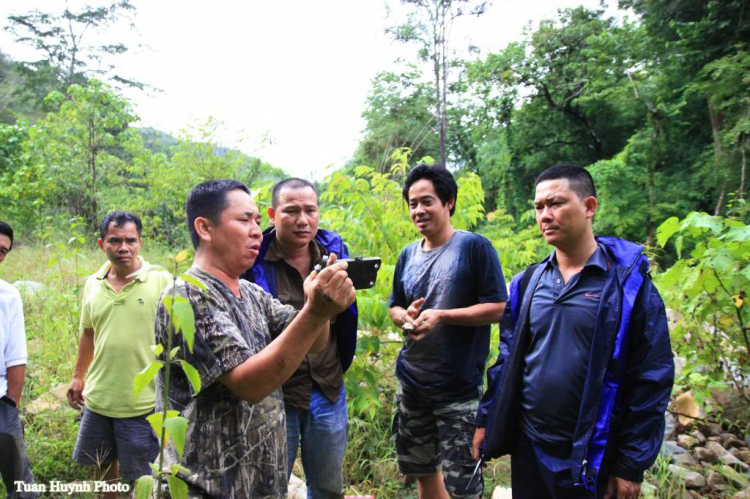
(706, 459)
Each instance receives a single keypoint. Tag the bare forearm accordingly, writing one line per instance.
(85, 353)
(476, 315)
(261, 374)
(16, 376)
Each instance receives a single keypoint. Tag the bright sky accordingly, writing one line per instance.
(287, 79)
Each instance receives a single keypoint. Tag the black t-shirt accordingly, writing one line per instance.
(447, 364)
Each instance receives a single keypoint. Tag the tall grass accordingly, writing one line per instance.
(52, 330)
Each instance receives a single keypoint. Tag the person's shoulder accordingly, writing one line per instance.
(471, 237)
(9, 291)
(474, 241)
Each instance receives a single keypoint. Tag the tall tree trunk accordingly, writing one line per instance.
(743, 167)
(716, 125)
(444, 96)
(92, 209)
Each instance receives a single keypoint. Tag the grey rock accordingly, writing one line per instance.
(733, 441)
(687, 441)
(684, 459)
(700, 437)
(502, 493)
(705, 455)
(716, 481)
(669, 449)
(691, 479)
(714, 439)
(745, 494)
(28, 287)
(670, 425)
(732, 461)
(716, 447)
(742, 455)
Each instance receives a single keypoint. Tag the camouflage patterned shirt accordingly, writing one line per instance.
(233, 448)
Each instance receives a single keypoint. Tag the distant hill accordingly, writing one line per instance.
(254, 169)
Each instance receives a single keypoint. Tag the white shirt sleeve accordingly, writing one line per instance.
(15, 349)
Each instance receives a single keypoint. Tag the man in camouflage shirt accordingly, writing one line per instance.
(246, 345)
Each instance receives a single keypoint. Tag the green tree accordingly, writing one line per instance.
(398, 115)
(429, 24)
(63, 39)
(74, 148)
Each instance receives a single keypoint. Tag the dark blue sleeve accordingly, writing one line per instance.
(490, 283)
(398, 295)
(345, 327)
(648, 385)
(507, 325)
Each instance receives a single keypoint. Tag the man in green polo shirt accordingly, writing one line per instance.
(117, 320)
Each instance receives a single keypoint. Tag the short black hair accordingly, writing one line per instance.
(579, 178)
(208, 200)
(289, 183)
(7, 230)
(119, 218)
(442, 181)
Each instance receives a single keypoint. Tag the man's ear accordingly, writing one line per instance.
(271, 215)
(203, 228)
(591, 204)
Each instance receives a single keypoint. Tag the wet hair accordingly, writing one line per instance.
(119, 218)
(442, 181)
(208, 200)
(579, 178)
(7, 230)
(289, 183)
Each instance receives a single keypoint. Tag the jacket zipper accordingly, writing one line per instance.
(585, 462)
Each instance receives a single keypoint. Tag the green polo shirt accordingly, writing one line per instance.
(123, 326)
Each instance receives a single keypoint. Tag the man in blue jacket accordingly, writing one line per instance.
(314, 397)
(578, 393)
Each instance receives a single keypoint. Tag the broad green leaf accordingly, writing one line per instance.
(155, 420)
(195, 282)
(143, 378)
(144, 487)
(167, 300)
(176, 427)
(176, 468)
(184, 319)
(738, 234)
(173, 352)
(678, 246)
(182, 256)
(666, 230)
(157, 349)
(177, 488)
(192, 376)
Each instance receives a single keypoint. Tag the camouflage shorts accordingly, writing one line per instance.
(432, 436)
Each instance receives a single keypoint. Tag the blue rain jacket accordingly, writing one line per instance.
(263, 274)
(629, 379)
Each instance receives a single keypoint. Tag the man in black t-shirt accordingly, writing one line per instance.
(447, 290)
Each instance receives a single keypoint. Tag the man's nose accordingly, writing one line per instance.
(546, 214)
